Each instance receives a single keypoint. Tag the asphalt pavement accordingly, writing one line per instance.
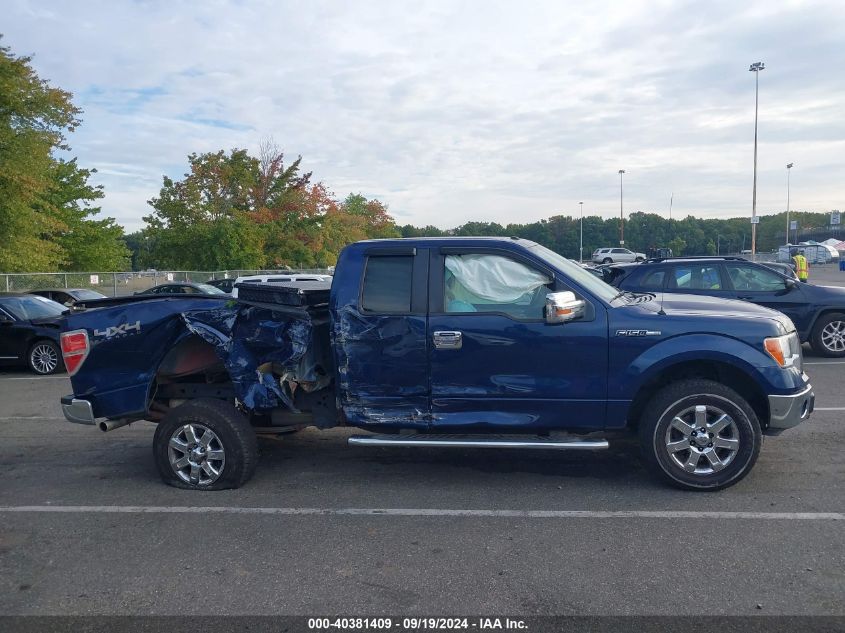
(86, 526)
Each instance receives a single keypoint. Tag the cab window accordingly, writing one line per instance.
(387, 284)
(474, 283)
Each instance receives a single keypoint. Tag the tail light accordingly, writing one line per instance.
(75, 349)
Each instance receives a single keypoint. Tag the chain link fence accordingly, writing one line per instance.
(116, 284)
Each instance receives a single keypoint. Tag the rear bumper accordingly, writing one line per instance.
(788, 411)
(77, 411)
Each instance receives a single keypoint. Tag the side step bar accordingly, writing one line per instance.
(477, 441)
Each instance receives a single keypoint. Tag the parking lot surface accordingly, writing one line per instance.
(86, 526)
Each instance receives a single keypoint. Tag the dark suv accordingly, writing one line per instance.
(818, 312)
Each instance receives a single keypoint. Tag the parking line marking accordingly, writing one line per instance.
(36, 378)
(434, 512)
(28, 417)
(828, 408)
(829, 362)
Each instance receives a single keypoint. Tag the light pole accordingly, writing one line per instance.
(788, 170)
(621, 216)
(581, 239)
(755, 68)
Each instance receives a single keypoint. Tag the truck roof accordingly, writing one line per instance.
(451, 240)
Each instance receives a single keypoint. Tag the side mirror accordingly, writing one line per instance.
(790, 283)
(562, 307)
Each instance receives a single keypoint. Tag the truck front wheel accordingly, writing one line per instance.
(205, 445)
(698, 434)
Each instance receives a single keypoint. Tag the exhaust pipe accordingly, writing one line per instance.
(111, 425)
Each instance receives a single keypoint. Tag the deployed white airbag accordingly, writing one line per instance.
(490, 279)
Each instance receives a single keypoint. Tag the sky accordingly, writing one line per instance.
(460, 110)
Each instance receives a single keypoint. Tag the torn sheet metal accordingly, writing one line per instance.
(253, 343)
(382, 368)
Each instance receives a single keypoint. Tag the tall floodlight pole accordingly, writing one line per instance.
(621, 215)
(755, 68)
(581, 239)
(788, 170)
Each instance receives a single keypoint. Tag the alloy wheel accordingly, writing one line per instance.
(833, 336)
(44, 358)
(702, 439)
(196, 454)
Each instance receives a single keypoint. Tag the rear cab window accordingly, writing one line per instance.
(387, 285)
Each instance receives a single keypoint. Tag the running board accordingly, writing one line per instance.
(477, 441)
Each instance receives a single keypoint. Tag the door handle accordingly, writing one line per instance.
(448, 340)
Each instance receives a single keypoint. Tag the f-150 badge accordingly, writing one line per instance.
(638, 332)
(119, 330)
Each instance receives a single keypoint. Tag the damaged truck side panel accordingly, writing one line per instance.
(452, 342)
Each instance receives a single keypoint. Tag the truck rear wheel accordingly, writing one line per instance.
(698, 434)
(205, 444)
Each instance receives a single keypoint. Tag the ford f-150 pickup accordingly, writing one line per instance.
(450, 342)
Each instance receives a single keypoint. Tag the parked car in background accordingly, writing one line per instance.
(616, 255)
(29, 332)
(184, 288)
(818, 312)
(68, 296)
(226, 285)
(279, 278)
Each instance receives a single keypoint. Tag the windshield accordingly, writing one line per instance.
(586, 279)
(34, 307)
(210, 290)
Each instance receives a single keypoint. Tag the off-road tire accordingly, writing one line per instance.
(232, 430)
(679, 397)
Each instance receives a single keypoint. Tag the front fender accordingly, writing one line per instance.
(685, 348)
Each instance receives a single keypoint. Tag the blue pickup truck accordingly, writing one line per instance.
(447, 342)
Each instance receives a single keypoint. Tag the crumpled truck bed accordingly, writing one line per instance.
(256, 345)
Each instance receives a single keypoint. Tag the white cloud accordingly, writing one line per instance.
(452, 112)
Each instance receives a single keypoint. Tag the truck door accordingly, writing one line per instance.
(380, 342)
(495, 362)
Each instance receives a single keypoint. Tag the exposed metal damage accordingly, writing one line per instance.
(268, 355)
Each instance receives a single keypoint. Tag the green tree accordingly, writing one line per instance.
(678, 246)
(44, 214)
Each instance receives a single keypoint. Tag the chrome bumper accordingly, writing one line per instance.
(788, 411)
(77, 411)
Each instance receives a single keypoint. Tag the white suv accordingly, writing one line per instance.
(615, 255)
(278, 278)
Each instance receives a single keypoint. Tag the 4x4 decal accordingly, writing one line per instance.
(119, 330)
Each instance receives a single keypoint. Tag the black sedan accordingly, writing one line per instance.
(29, 332)
(818, 312)
(68, 296)
(183, 288)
